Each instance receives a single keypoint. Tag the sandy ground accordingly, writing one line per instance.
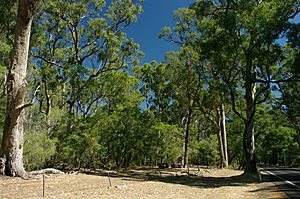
(146, 183)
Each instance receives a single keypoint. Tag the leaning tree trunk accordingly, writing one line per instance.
(12, 142)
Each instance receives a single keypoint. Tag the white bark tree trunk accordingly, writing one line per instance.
(224, 135)
(12, 143)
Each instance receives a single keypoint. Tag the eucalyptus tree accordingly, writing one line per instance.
(82, 46)
(81, 41)
(110, 133)
(171, 89)
(239, 41)
(290, 99)
(276, 143)
(186, 90)
(12, 143)
(214, 96)
(75, 42)
(291, 104)
(157, 88)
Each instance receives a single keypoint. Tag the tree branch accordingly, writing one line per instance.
(45, 60)
(234, 107)
(290, 79)
(22, 106)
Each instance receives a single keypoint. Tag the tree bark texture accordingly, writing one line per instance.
(249, 133)
(221, 149)
(12, 142)
(187, 137)
(222, 136)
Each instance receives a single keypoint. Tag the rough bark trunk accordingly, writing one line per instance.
(187, 137)
(12, 143)
(248, 136)
(70, 117)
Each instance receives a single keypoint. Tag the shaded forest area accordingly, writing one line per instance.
(228, 96)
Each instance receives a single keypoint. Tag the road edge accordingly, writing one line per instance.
(287, 181)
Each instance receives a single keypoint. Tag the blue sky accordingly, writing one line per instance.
(145, 32)
(156, 15)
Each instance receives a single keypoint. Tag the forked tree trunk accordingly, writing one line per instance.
(12, 142)
(222, 136)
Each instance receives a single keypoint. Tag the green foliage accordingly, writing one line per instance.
(7, 23)
(276, 141)
(38, 148)
(237, 45)
(109, 133)
(80, 57)
(80, 149)
(235, 140)
(168, 142)
(205, 152)
(88, 113)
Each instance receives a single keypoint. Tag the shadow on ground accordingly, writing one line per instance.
(177, 177)
(268, 187)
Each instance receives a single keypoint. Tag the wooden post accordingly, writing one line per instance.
(43, 185)
(109, 179)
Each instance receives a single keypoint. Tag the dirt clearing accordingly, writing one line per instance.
(143, 183)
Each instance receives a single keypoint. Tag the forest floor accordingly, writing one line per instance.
(140, 183)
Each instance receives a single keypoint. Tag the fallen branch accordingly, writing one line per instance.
(46, 171)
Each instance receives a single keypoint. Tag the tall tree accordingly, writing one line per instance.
(290, 90)
(172, 88)
(186, 88)
(212, 101)
(12, 143)
(239, 41)
(81, 41)
(82, 49)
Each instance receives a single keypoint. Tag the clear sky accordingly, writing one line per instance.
(145, 32)
(156, 15)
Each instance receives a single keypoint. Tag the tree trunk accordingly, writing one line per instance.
(298, 134)
(71, 116)
(187, 137)
(12, 143)
(248, 136)
(224, 134)
(221, 149)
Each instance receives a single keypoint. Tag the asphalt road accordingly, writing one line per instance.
(287, 180)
